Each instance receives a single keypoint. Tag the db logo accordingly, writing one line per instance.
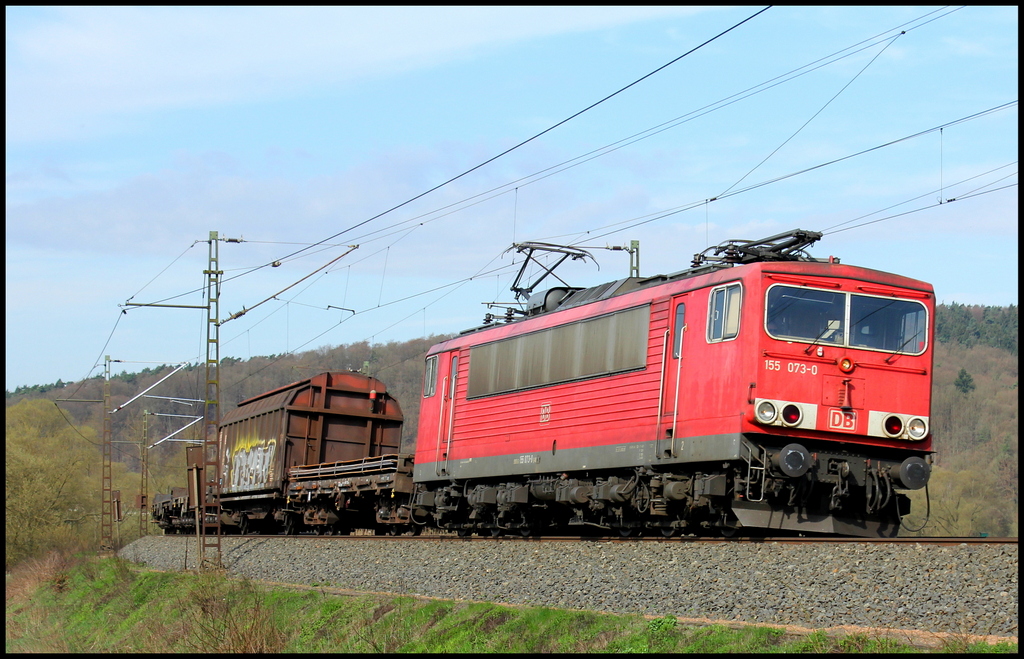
(842, 420)
(545, 412)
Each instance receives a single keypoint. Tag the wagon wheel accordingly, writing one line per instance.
(243, 525)
(668, 531)
(463, 533)
(289, 525)
(495, 532)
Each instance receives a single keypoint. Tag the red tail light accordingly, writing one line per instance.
(791, 414)
(893, 425)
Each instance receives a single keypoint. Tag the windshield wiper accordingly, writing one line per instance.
(899, 351)
(830, 326)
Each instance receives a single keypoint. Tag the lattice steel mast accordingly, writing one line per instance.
(209, 503)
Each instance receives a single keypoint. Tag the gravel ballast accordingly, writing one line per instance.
(960, 589)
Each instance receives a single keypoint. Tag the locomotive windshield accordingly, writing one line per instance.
(858, 321)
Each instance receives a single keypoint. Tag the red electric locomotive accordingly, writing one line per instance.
(760, 392)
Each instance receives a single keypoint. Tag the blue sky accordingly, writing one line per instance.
(134, 132)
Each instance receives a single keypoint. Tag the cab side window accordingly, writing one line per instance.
(430, 377)
(677, 343)
(724, 313)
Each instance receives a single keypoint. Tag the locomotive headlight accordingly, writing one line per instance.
(845, 364)
(917, 428)
(766, 412)
(893, 425)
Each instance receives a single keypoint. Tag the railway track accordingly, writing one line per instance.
(653, 539)
(940, 585)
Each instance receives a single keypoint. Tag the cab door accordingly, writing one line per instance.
(673, 378)
(448, 373)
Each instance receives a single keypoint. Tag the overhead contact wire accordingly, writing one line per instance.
(614, 146)
(916, 210)
(530, 139)
(822, 109)
(679, 209)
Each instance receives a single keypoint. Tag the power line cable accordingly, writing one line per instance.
(466, 280)
(814, 116)
(666, 213)
(573, 162)
(456, 284)
(614, 146)
(795, 73)
(530, 139)
(829, 230)
(539, 134)
(102, 352)
(194, 243)
(685, 207)
(650, 218)
(917, 210)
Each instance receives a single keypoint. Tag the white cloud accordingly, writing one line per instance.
(968, 48)
(79, 72)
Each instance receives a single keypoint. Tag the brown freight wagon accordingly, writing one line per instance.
(322, 454)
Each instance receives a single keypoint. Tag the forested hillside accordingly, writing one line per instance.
(53, 458)
(995, 327)
(974, 487)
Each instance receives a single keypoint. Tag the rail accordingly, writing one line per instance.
(452, 537)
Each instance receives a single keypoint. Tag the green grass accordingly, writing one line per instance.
(109, 605)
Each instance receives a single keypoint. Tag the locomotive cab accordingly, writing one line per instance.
(844, 363)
